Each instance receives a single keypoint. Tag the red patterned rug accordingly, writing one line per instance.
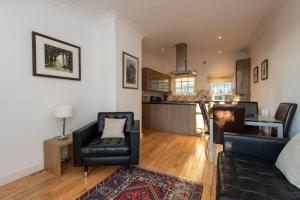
(132, 183)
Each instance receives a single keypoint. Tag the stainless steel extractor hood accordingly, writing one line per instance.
(181, 61)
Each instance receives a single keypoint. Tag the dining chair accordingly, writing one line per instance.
(227, 118)
(285, 113)
(251, 110)
(205, 117)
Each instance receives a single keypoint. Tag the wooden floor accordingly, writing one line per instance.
(179, 155)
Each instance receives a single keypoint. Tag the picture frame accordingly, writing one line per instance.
(264, 70)
(54, 58)
(130, 71)
(255, 74)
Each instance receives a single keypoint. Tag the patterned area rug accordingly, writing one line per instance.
(132, 183)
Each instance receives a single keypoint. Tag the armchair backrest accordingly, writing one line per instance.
(116, 115)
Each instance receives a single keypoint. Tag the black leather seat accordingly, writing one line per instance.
(246, 170)
(106, 147)
(89, 149)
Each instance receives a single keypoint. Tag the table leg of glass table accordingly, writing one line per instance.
(211, 141)
(280, 130)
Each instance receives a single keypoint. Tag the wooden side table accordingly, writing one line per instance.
(53, 151)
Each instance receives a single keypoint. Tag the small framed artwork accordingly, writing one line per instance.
(54, 58)
(264, 70)
(130, 71)
(255, 74)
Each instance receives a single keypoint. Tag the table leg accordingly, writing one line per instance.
(280, 130)
(211, 141)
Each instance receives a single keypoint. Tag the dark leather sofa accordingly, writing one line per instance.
(246, 170)
(90, 150)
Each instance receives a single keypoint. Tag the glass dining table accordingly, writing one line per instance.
(258, 120)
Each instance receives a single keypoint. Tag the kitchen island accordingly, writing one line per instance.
(176, 117)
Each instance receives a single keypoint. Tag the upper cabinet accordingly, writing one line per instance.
(155, 81)
(243, 76)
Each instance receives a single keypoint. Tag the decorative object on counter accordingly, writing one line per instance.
(264, 70)
(165, 97)
(255, 74)
(265, 112)
(54, 58)
(63, 111)
(130, 71)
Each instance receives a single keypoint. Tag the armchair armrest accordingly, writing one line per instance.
(80, 138)
(134, 142)
(265, 148)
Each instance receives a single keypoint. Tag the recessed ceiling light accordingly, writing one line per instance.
(220, 52)
(220, 37)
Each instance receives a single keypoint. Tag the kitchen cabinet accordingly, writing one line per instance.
(175, 118)
(155, 81)
(243, 77)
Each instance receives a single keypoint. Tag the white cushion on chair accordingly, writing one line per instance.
(113, 128)
(288, 161)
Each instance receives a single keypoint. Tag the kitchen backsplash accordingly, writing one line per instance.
(202, 95)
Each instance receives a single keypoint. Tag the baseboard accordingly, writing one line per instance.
(20, 174)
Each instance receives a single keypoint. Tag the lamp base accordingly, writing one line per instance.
(62, 137)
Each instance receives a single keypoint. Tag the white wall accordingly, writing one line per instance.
(218, 64)
(152, 61)
(128, 40)
(27, 102)
(280, 45)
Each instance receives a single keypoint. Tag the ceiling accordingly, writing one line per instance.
(197, 22)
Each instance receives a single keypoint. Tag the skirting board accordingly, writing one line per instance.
(20, 174)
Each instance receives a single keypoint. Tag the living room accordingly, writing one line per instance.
(75, 68)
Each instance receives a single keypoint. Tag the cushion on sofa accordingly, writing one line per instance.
(106, 147)
(288, 161)
(113, 128)
(245, 178)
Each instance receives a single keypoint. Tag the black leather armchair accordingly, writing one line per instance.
(89, 149)
(246, 169)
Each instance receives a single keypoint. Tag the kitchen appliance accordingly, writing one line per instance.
(154, 99)
(181, 61)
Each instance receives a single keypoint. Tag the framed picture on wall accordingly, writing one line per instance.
(255, 74)
(54, 58)
(130, 71)
(264, 70)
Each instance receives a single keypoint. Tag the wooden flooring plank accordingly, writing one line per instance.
(179, 155)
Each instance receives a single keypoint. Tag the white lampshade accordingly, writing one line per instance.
(63, 111)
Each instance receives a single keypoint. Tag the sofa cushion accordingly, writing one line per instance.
(288, 161)
(113, 128)
(116, 115)
(242, 177)
(106, 147)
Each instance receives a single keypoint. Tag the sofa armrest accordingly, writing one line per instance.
(265, 148)
(81, 137)
(135, 142)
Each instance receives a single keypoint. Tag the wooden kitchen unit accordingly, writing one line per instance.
(170, 117)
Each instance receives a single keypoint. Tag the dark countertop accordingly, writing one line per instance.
(172, 103)
(190, 102)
